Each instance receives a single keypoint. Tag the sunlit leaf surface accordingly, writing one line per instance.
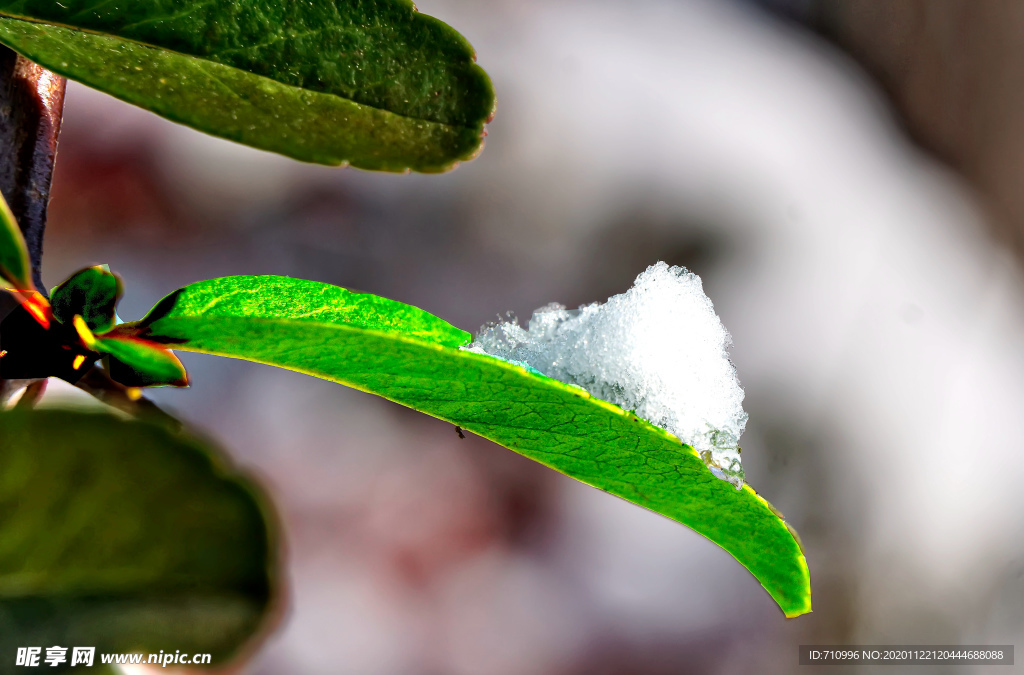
(409, 356)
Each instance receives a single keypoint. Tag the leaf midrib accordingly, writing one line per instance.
(79, 29)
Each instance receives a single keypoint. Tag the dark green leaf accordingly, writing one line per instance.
(132, 361)
(138, 363)
(91, 293)
(119, 535)
(411, 357)
(370, 83)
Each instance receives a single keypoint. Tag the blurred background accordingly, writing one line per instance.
(844, 176)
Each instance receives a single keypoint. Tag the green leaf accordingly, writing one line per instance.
(132, 361)
(138, 363)
(411, 357)
(91, 293)
(15, 269)
(119, 535)
(370, 83)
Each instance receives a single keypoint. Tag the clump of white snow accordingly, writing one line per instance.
(658, 349)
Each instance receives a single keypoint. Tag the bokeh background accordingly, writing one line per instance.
(844, 176)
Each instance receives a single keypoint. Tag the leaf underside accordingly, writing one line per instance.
(411, 357)
(122, 536)
(371, 83)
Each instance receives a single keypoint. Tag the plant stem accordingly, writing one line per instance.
(126, 399)
(32, 394)
(31, 106)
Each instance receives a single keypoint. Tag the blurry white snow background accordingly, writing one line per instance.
(864, 285)
(878, 333)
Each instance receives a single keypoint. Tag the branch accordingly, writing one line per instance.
(33, 392)
(126, 399)
(31, 106)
